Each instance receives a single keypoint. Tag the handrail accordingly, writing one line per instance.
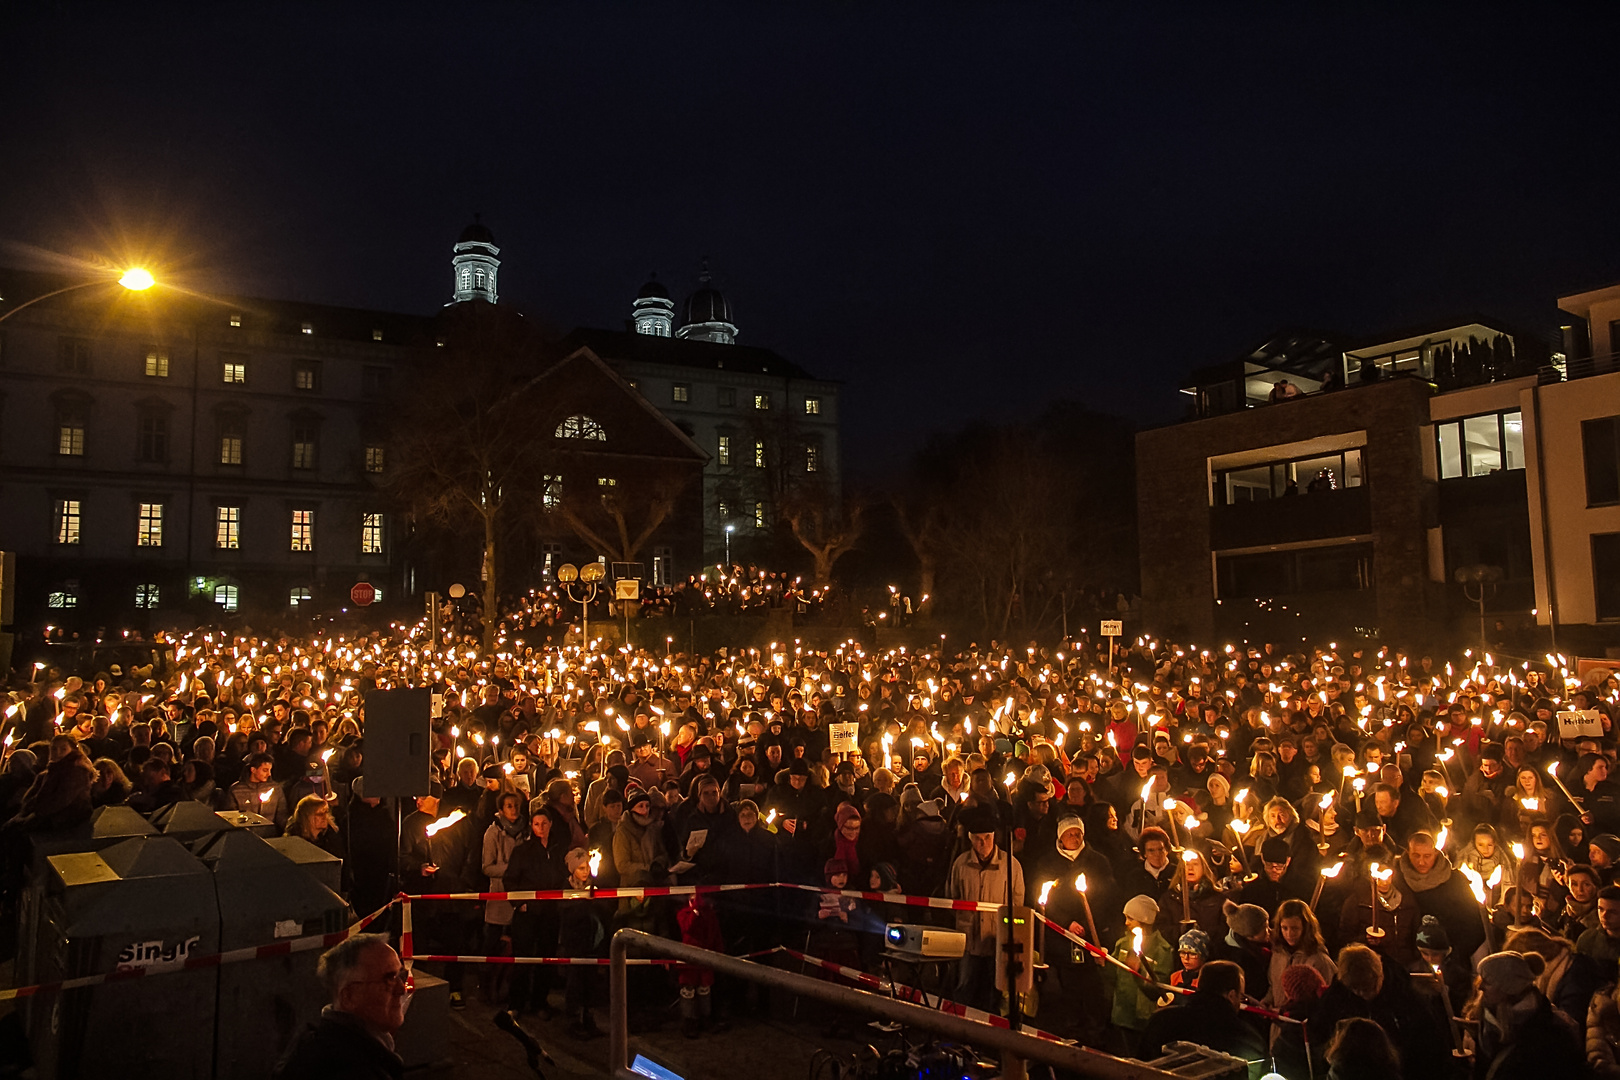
(1015, 1048)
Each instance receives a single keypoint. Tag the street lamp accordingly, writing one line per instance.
(588, 576)
(135, 279)
(728, 545)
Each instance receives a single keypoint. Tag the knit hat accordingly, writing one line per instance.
(1194, 941)
(637, 797)
(835, 866)
(1275, 850)
(1144, 909)
(1245, 920)
(845, 812)
(1301, 983)
(1432, 935)
(1068, 822)
(578, 857)
(1608, 843)
(929, 808)
(1510, 972)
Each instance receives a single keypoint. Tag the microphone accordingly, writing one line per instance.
(508, 1023)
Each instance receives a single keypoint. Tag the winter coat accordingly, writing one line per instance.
(1398, 945)
(1134, 1000)
(498, 847)
(969, 880)
(925, 855)
(1602, 1037)
(1443, 892)
(60, 795)
(1283, 958)
(1207, 1019)
(338, 1048)
(1541, 1042)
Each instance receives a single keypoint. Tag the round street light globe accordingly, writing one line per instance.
(567, 573)
(592, 572)
(137, 279)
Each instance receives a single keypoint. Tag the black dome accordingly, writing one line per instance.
(653, 290)
(476, 233)
(708, 304)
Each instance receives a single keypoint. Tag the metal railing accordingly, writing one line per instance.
(1015, 1048)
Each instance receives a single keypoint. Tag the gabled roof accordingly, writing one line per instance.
(585, 355)
(629, 347)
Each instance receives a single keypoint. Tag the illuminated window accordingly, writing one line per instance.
(662, 558)
(298, 596)
(235, 371)
(1480, 445)
(376, 335)
(228, 527)
(303, 530)
(681, 393)
(62, 598)
(149, 527)
(551, 491)
(371, 534)
(225, 596)
(73, 355)
(230, 440)
(725, 510)
(581, 427)
(308, 328)
(374, 459)
(725, 450)
(812, 406)
(147, 595)
(304, 442)
(762, 402)
(759, 454)
(70, 430)
(812, 458)
(152, 443)
(67, 521)
(306, 377)
(759, 515)
(157, 364)
(236, 319)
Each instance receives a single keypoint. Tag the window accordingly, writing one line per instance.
(759, 454)
(762, 402)
(725, 510)
(1600, 445)
(152, 442)
(1340, 568)
(157, 364)
(303, 530)
(812, 406)
(1480, 445)
(581, 427)
(812, 458)
(236, 319)
(1302, 476)
(70, 429)
(297, 596)
(304, 441)
(308, 328)
(371, 534)
(726, 397)
(759, 515)
(551, 491)
(225, 596)
(724, 454)
(149, 527)
(1606, 574)
(67, 521)
(234, 370)
(62, 598)
(231, 439)
(147, 596)
(306, 377)
(662, 558)
(73, 355)
(374, 458)
(376, 335)
(681, 393)
(373, 380)
(228, 527)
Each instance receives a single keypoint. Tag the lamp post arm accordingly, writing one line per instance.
(47, 296)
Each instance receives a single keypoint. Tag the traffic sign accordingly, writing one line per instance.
(362, 593)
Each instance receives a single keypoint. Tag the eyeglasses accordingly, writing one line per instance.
(397, 978)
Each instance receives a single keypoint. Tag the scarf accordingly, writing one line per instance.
(514, 829)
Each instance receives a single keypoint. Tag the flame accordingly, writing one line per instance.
(1496, 877)
(1327, 801)
(1136, 941)
(1440, 838)
(1517, 849)
(445, 822)
(1080, 883)
(596, 861)
(1333, 871)
(1046, 891)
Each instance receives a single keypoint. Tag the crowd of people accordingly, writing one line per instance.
(1327, 858)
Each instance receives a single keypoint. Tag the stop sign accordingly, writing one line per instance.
(362, 593)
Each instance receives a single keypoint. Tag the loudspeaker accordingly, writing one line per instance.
(398, 743)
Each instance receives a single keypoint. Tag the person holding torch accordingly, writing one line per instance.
(1146, 957)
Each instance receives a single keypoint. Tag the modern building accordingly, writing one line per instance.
(1417, 485)
(768, 426)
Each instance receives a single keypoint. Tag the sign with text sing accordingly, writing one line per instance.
(844, 738)
(1580, 723)
(1113, 628)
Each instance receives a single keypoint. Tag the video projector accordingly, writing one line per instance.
(925, 940)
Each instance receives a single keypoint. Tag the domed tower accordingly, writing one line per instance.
(475, 264)
(706, 315)
(653, 312)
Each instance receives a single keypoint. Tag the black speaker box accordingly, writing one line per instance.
(399, 739)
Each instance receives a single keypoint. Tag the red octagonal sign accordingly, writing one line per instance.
(362, 593)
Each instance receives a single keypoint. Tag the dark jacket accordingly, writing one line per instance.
(1207, 1019)
(337, 1047)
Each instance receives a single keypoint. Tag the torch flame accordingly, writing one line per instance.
(445, 822)
(1136, 941)
(1046, 891)
(1080, 883)
(1332, 871)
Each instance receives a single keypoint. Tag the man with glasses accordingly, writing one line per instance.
(354, 1038)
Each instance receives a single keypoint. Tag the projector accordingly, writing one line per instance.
(925, 940)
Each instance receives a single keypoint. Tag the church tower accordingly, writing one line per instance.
(706, 315)
(475, 264)
(653, 313)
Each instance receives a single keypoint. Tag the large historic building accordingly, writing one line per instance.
(164, 452)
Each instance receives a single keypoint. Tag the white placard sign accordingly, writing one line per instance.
(843, 737)
(1113, 628)
(1579, 723)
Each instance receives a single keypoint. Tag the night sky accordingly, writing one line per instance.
(960, 210)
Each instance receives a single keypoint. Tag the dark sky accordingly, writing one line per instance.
(960, 210)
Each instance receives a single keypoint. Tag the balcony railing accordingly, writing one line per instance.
(1291, 519)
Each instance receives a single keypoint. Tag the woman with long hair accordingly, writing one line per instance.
(312, 820)
(1296, 938)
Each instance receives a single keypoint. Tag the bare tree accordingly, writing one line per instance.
(825, 525)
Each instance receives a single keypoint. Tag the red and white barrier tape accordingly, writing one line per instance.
(575, 961)
(904, 899)
(194, 963)
(642, 892)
